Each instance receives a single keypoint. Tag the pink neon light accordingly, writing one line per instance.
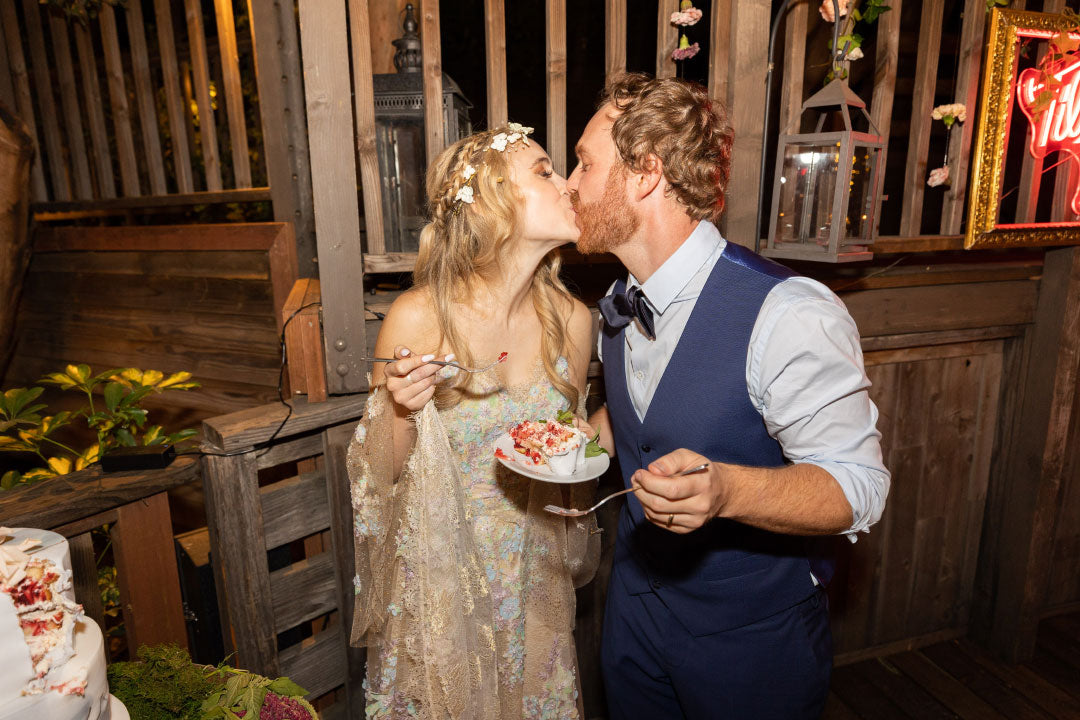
(1057, 127)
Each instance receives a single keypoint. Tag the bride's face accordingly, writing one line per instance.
(545, 215)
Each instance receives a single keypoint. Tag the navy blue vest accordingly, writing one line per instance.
(725, 574)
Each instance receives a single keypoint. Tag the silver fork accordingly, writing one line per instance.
(451, 363)
(569, 512)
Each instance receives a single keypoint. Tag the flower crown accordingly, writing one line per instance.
(500, 142)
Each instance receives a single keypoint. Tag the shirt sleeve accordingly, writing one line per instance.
(805, 376)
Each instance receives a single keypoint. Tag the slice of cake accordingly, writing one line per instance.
(561, 447)
(52, 655)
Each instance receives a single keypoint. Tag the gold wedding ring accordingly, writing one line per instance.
(670, 519)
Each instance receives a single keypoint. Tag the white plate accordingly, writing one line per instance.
(504, 452)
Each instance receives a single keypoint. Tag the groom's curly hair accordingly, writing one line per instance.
(676, 121)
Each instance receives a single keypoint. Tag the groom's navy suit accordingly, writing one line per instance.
(726, 621)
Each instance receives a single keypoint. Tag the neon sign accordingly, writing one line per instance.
(1056, 127)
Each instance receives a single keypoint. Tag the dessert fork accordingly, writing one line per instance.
(451, 363)
(569, 512)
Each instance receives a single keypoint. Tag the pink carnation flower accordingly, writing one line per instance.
(938, 176)
(686, 18)
(686, 53)
(826, 9)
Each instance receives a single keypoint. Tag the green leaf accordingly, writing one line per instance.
(114, 393)
(10, 479)
(125, 437)
(287, 688)
(566, 417)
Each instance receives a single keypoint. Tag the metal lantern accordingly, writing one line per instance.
(827, 190)
(399, 138)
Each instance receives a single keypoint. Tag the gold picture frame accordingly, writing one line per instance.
(998, 100)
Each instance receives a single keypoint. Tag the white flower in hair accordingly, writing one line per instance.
(465, 194)
(499, 142)
(519, 128)
(468, 172)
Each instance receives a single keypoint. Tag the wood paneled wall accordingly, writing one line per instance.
(198, 298)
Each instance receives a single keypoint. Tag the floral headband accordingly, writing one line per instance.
(499, 142)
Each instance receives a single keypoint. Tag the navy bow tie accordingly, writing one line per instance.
(619, 309)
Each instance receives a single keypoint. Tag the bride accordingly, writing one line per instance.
(464, 585)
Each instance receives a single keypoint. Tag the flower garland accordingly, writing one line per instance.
(849, 43)
(687, 16)
(466, 194)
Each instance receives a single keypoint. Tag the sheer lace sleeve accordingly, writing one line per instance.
(423, 603)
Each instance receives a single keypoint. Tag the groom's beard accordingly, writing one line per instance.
(609, 222)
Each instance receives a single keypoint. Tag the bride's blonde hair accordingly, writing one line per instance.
(467, 241)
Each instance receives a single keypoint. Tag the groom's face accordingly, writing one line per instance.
(597, 187)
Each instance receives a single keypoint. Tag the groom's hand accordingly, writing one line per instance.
(680, 504)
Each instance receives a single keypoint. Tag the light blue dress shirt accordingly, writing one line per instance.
(804, 370)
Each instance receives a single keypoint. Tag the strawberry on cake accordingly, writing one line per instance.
(561, 447)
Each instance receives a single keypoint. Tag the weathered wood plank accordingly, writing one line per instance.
(46, 102)
(1044, 694)
(667, 38)
(76, 143)
(903, 310)
(100, 208)
(719, 53)
(7, 90)
(952, 660)
(922, 103)
(234, 93)
(303, 447)
(317, 664)
(144, 99)
(324, 31)
(364, 100)
(254, 426)
(84, 576)
(791, 86)
(555, 22)
(614, 37)
(1025, 514)
(181, 151)
(303, 340)
(863, 697)
(431, 47)
(295, 508)
(495, 56)
(200, 69)
(911, 699)
(957, 697)
(304, 590)
(885, 59)
(967, 92)
(99, 138)
(146, 569)
(212, 237)
(241, 576)
(24, 103)
(279, 77)
(118, 103)
(749, 49)
(76, 495)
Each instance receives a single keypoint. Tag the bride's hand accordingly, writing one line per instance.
(411, 379)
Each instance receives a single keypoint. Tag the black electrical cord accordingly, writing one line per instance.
(281, 397)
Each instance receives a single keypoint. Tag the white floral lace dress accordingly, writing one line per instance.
(465, 586)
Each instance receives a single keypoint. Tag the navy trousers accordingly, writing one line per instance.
(776, 668)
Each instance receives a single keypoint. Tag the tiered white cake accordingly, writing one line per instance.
(52, 657)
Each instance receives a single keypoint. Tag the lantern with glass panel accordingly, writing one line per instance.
(827, 190)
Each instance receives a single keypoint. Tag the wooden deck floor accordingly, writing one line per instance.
(956, 679)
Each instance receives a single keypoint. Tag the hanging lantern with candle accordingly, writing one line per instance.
(827, 189)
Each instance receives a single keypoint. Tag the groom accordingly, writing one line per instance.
(716, 606)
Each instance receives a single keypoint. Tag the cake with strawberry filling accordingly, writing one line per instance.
(52, 657)
(549, 442)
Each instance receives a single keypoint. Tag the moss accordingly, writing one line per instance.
(165, 685)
